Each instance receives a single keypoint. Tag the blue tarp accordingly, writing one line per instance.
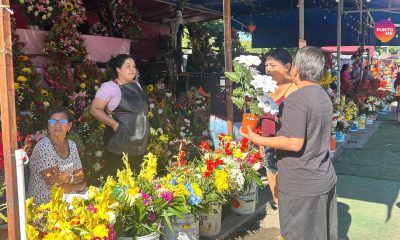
(277, 21)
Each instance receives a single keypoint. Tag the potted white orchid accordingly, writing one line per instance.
(252, 90)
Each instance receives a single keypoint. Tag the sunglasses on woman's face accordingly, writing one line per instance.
(55, 121)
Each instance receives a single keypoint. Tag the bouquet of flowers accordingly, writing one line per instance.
(252, 89)
(72, 9)
(60, 79)
(40, 12)
(371, 105)
(125, 19)
(145, 201)
(90, 217)
(342, 115)
(64, 44)
(241, 159)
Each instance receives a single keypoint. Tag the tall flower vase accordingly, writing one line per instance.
(361, 122)
(251, 120)
(210, 224)
(339, 137)
(246, 202)
(369, 119)
(186, 227)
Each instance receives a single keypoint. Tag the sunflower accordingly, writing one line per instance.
(150, 88)
(69, 7)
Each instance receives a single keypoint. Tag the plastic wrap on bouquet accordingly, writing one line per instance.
(339, 137)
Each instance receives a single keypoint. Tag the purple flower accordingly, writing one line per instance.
(91, 208)
(167, 195)
(152, 217)
(146, 198)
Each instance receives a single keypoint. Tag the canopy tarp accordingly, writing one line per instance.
(347, 50)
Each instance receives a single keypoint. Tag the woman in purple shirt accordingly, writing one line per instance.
(121, 104)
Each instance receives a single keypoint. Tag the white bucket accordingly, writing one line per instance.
(152, 236)
(185, 227)
(246, 202)
(210, 224)
(369, 120)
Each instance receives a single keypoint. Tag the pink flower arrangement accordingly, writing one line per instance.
(40, 12)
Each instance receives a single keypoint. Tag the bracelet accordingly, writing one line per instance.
(72, 178)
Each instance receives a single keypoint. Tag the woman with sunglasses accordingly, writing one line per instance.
(121, 104)
(55, 160)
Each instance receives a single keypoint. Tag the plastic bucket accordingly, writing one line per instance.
(361, 122)
(249, 120)
(332, 144)
(339, 137)
(152, 236)
(354, 126)
(246, 202)
(210, 224)
(186, 228)
(369, 120)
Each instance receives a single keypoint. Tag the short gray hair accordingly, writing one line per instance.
(310, 62)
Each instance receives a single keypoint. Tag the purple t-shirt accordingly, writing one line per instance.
(110, 92)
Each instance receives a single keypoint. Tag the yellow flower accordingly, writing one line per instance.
(22, 79)
(197, 190)
(26, 70)
(82, 85)
(221, 180)
(84, 75)
(149, 167)
(44, 92)
(150, 88)
(96, 81)
(101, 126)
(238, 153)
(31, 232)
(16, 86)
(100, 231)
(164, 138)
(150, 114)
(69, 7)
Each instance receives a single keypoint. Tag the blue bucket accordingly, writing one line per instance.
(339, 137)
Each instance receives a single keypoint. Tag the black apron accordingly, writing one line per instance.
(132, 134)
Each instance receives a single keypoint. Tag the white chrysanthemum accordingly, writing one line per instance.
(168, 94)
(97, 167)
(36, 13)
(159, 130)
(268, 104)
(151, 105)
(99, 153)
(46, 104)
(160, 111)
(264, 82)
(248, 60)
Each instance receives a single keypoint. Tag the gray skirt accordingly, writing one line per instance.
(309, 218)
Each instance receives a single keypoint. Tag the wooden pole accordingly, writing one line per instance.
(228, 63)
(339, 42)
(8, 121)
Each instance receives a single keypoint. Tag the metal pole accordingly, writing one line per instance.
(8, 121)
(302, 42)
(339, 42)
(228, 63)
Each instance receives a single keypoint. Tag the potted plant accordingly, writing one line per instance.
(251, 90)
